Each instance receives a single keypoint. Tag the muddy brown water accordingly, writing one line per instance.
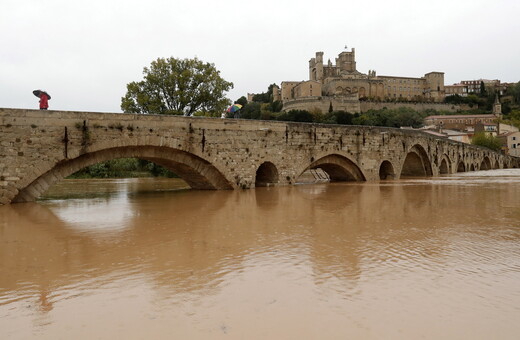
(145, 259)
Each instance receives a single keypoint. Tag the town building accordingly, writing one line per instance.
(459, 136)
(475, 86)
(459, 122)
(456, 89)
(511, 143)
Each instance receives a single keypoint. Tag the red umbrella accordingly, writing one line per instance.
(38, 93)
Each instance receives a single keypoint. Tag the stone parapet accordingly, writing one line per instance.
(39, 148)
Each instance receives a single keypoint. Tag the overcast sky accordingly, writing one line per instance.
(85, 52)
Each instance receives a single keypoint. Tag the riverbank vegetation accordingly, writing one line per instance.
(123, 168)
(488, 141)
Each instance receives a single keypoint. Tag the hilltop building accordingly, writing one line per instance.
(342, 87)
(466, 87)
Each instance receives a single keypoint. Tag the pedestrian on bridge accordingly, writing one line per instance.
(44, 98)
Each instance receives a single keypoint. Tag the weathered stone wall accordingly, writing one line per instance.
(421, 107)
(353, 105)
(322, 104)
(39, 148)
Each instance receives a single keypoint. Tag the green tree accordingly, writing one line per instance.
(276, 106)
(491, 142)
(296, 116)
(242, 101)
(265, 97)
(343, 117)
(483, 92)
(261, 97)
(514, 92)
(177, 86)
(513, 118)
(454, 99)
(392, 118)
(251, 111)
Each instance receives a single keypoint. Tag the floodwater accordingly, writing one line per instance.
(135, 259)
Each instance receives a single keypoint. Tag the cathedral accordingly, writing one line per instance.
(342, 87)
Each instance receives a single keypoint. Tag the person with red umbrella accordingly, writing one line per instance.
(44, 98)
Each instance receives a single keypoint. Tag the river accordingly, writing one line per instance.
(435, 258)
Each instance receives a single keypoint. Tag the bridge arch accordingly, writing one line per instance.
(338, 167)
(266, 174)
(197, 172)
(486, 164)
(416, 163)
(445, 166)
(461, 167)
(386, 170)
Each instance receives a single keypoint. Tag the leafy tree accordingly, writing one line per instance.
(392, 118)
(296, 116)
(513, 118)
(337, 117)
(265, 97)
(514, 92)
(491, 142)
(242, 101)
(276, 106)
(343, 117)
(483, 92)
(455, 99)
(251, 111)
(177, 86)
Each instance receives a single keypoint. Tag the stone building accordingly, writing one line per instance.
(459, 122)
(475, 86)
(456, 89)
(511, 143)
(342, 86)
(466, 87)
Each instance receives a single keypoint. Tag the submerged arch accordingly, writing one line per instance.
(266, 174)
(386, 170)
(416, 163)
(339, 168)
(197, 172)
(444, 168)
(461, 167)
(486, 164)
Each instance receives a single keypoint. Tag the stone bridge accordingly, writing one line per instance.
(39, 148)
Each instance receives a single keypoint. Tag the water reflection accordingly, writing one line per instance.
(342, 255)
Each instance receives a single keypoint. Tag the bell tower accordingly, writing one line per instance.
(346, 61)
(497, 107)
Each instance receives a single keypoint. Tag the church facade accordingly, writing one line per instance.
(342, 87)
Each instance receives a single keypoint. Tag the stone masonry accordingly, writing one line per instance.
(39, 148)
